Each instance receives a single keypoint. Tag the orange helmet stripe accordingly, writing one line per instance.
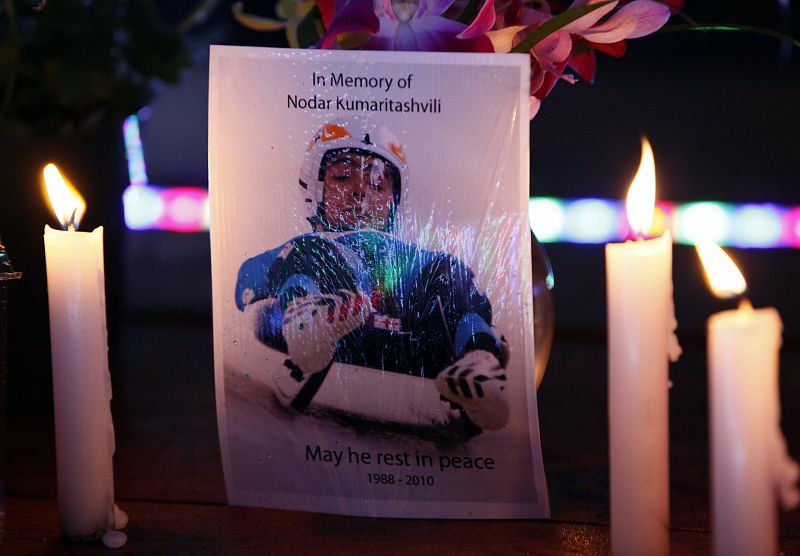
(332, 132)
(398, 151)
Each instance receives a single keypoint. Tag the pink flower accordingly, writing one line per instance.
(349, 16)
(631, 21)
(551, 55)
(410, 25)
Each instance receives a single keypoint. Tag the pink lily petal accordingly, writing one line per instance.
(482, 23)
(537, 76)
(634, 20)
(351, 16)
(650, 16)
(542, 81)
(553, 49)
(582, 23)
(585, 64)
(533, 106)
(613, 30)
(615, 49)
(503, 39)
(549, 81)
(326, 9)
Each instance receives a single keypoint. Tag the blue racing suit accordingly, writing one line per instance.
(427, 311)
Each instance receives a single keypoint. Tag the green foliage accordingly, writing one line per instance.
(77, 64)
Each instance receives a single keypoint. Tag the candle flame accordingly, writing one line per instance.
(67, 203)
(642, 192)
(723, 276)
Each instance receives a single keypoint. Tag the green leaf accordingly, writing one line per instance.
(731, 27)
(554, 24)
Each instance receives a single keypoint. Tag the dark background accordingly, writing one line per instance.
(721, 109)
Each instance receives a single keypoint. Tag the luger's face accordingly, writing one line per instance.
(358, 192)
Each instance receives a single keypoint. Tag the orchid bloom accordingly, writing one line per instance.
(550, 56)
(410, 25)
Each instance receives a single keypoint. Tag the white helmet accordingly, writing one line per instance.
(355, 134)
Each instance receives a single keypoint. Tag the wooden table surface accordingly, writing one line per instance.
(168, 474)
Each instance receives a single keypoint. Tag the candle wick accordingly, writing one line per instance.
(744, 303)
(71, 224)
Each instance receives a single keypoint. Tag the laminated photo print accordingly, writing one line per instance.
(373, 322)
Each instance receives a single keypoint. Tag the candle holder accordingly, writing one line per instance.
(6, 274)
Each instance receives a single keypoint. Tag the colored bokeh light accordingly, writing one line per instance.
(591, 221)
(791, 228)
(662, 219)
(546, 216)
(143, 207)
(703, 221)
(186, 209)
(134, 151)
(756, 226)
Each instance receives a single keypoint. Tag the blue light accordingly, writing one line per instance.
(134, 152)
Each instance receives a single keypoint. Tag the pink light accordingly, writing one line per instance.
(184, 209)
(791, 228)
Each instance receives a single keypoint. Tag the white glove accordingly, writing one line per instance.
(477, 383)
(312, 325)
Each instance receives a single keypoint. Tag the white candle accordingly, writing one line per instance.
(750, 467)
(641, 321)
(81, 380)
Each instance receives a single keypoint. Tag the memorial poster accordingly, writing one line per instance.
(372, 297)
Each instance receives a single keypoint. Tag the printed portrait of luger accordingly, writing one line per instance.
(349, 291)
